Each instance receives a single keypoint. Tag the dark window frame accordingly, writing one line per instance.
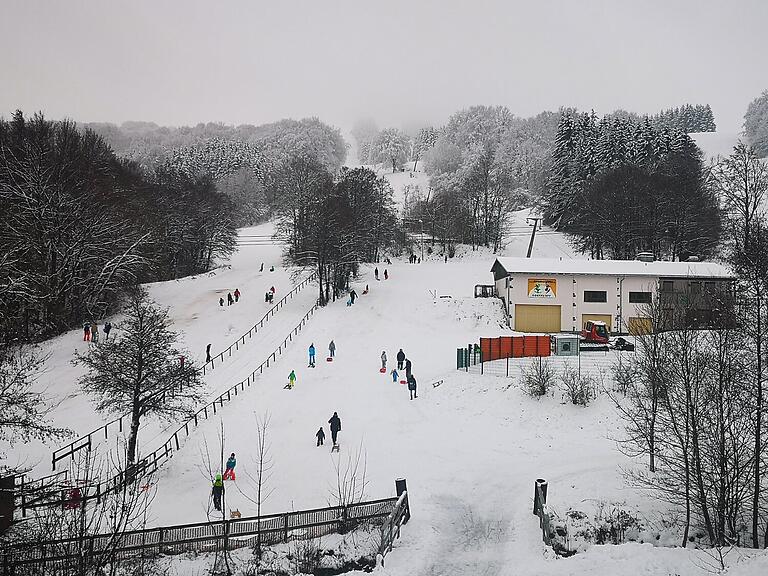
(596, 294)
(645, 297)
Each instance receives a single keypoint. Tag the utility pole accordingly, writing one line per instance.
(422, 239)
(533, 233)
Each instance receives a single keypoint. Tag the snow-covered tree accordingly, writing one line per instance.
(756, 124)
(365, 132)
(391, 146)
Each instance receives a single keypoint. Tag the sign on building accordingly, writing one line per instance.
(542, 288)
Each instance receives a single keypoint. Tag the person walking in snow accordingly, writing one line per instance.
(221, 302)
(332, 349)
(335, 423)
(95, 332)
(383, 361)
(229, 473)
(262, 267)
(207, 353)
(272, 290)
(237, 294)
(107, 328)
(292, 379)
(386, 274)
(87, 332)
(312, 355)
(446, 258)
(218, 492)
(320, 436)
(412, 386)
(407, 368)
(400, 359)
(376, 273)
(352, 295)
(230, 300)
(394, 375)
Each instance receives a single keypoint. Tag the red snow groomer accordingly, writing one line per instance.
(594, 336)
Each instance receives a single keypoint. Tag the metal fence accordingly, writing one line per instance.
(207, 536)
(86, 441)
(150, 463)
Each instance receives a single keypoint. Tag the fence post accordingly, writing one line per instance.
(400, 487)
(285, 526)
(540, 487)
(176, 437)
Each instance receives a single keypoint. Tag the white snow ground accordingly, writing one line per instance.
(470, 449)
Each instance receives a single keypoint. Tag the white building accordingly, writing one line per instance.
(550, 295)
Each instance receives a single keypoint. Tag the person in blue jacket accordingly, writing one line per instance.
(312, 355)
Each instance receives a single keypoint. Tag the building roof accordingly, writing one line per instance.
(544, 266)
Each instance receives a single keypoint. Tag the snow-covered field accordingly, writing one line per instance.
(470, 449)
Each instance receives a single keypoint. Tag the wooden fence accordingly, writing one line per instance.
(153, 460)
(390, 529)
(207, 536)
(86, 441)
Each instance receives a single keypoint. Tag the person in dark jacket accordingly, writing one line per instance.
(218, 492)
(412, 386)
(207, 353)
(87, 332)
(335, 423)
(407, 369)
(221, 302)
(107, 328)
(332, 349)
(262, 267)
(230, 300)
(386, 274)
(320, 436)
(400, 359)
(352, 295)
(376, 273)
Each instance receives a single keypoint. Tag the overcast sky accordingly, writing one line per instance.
(400, 62)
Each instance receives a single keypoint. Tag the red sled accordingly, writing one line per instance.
(403, 382)
(383, 370)
(329, 359)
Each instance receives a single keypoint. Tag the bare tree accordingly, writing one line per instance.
(141, 371)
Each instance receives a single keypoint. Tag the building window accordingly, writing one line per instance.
(667, 286)
(595, 296)
(639, 297)
(695, 287)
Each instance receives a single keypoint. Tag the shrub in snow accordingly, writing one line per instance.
(578, 388)
(623, 375)
(538, 377)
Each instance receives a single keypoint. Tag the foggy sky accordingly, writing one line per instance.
(400, 62)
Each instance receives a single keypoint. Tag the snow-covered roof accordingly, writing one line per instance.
(613, 268)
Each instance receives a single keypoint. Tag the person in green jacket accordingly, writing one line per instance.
(291, 379)
(218, 492)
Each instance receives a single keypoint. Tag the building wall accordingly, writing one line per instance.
(569, 295)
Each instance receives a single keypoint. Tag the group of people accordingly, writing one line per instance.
(91, 331)
(335, 424)
(402, 361)
(269, 295)
(413, 259)
(311, 351)
(218, 482)
(376, 273)
(271, 268)
(230, 299)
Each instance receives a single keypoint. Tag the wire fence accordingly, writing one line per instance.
(87, 440)
(206, 536)
(150, 463)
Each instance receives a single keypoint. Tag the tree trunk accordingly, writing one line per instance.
(758, 422)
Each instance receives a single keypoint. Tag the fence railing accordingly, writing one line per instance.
(390, 529)
(551, 534)
(86, 441)
(208, 536)
(153, 460)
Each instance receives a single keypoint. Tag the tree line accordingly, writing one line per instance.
(81, 224)
(620, 186)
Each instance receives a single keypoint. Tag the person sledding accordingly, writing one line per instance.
(229, 473)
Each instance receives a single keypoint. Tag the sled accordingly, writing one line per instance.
(436, 384)
(335, 448)
(383, 370)
(287, 387)
(329, 359)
